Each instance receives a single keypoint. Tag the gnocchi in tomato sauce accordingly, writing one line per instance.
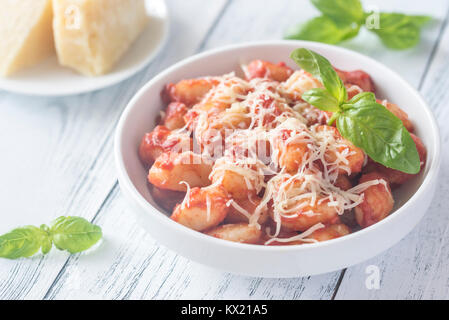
(245, 159)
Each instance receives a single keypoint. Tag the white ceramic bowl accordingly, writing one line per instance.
(412, 199)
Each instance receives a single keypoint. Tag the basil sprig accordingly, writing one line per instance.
(400, 31)
(73, 234)
(321, 69)
(341, 11)
(322, 29)
(361, 120)
(342, 19)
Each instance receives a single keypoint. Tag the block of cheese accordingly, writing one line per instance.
(26, 35)
(92, 35)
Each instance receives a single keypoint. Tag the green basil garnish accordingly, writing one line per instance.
(21, 242)
(321, 69)
(341, 11)
(342, 19)
(322, 99)
(73, 234)
(361, 120)
(383, 137)
(400, 31)
(323, 29)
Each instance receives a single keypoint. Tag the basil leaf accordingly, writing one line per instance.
(321, 99)
(392, 20)
(321, 69)
(399, 31)
(419, 21)
(74, 234)
(363, 96)
(371, 127)
(342, 11)
(21, 242)
(405, 37)
(322, 29)
(47, 243)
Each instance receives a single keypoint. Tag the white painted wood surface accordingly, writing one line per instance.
(56, 159)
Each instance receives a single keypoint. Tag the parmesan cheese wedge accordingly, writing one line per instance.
(26, 35)
(92, 35)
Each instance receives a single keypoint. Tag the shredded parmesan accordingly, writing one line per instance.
(187, 196)
(249, 128)
(241, 210)
(299, 237)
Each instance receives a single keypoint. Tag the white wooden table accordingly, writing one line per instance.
(56, 159)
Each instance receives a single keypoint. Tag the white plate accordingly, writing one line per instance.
(50, 79)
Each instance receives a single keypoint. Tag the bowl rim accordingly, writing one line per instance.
(130, 189)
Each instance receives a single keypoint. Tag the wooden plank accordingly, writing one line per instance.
(61, 152)
(131, 265)
(418, 267)
(155, 273)
(268, 20)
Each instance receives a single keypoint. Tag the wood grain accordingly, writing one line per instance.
(268, 20)
(417, 268)
(62, 158)
(177, 277)
(162, 274)
(130, 265)
(61, 152)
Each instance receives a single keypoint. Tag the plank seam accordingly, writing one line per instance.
(61, 272)
(58, 276)
(214, 26)
(112, 191)
(138, 276)
(106, 200)
(421, 82)
(434, 50)
(340, 280)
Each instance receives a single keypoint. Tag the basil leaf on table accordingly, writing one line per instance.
(321, 69)
(47, 243)
(74, 234)
(400, 31)
(393, 20)
(342, 11)
(404, 37)
(323, 29)
(374, 129)
(21, 242)
(342, 20)
(322, 99)
(419, 21)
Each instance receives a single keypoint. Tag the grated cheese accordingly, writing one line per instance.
(248, 128)
(299, 237)
(187, 196)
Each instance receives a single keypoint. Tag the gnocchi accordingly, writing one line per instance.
(249, 161)
(202, 208)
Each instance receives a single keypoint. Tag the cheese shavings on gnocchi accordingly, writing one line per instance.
(247, 160)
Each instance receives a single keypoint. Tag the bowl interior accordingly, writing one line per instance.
(141, 114)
